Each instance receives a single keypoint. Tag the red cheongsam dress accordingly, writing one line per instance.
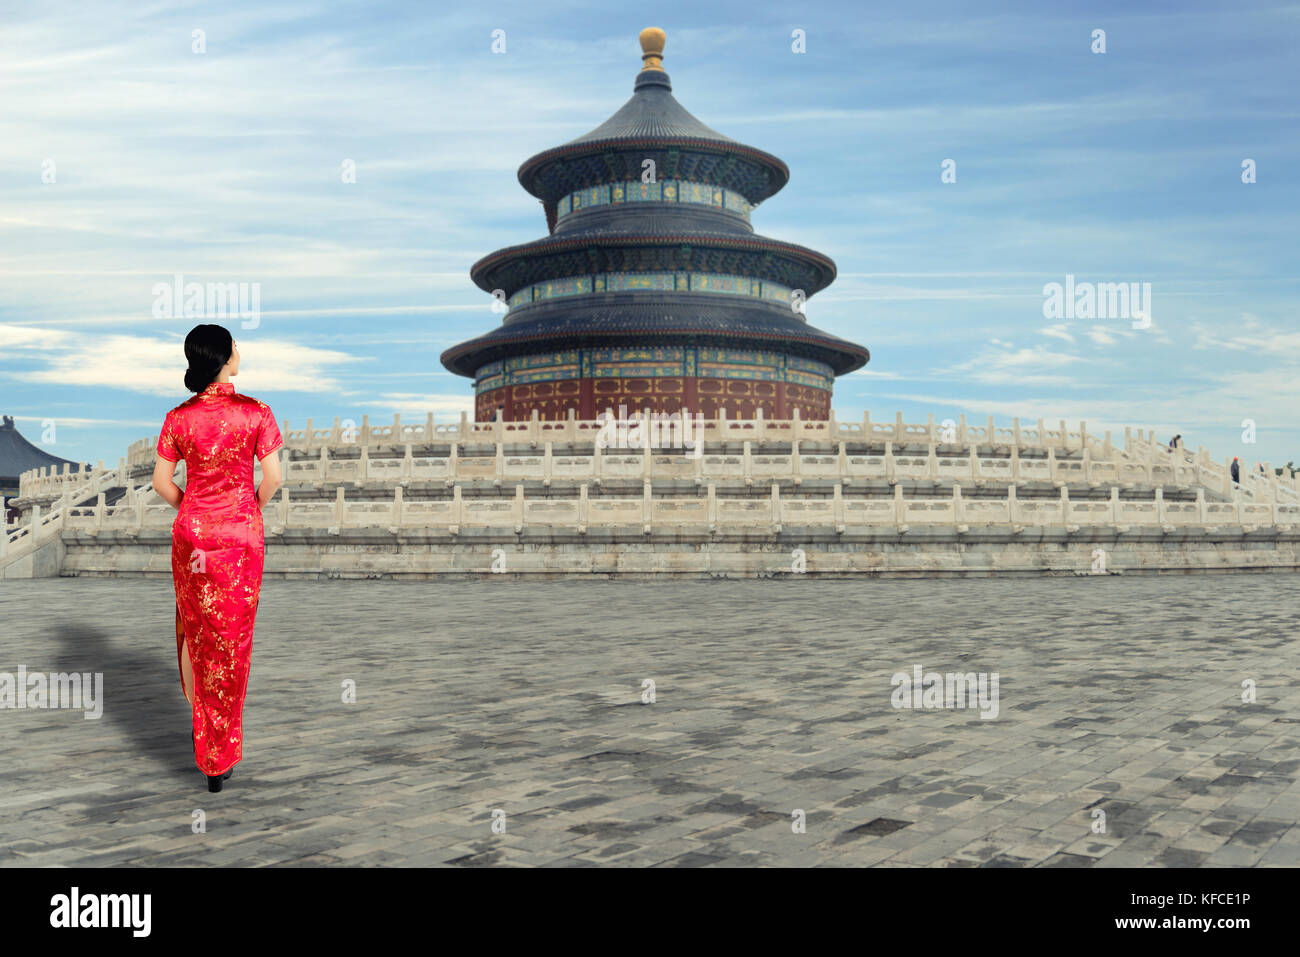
(217, 553)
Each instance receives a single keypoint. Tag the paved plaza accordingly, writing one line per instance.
(1116, 695)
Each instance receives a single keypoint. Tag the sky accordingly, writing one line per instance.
(128, 157)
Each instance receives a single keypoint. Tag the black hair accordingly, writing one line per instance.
(208, 347)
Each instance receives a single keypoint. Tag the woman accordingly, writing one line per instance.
(217, 540)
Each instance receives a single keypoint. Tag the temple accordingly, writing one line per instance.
(652, 290)
(17, 456)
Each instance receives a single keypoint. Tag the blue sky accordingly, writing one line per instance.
(225, 167)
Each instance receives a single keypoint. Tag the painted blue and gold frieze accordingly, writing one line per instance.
(720, 283)
(628, 362)
(620, 281)
(662, 191)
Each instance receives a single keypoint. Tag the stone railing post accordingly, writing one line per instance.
(795, 463)
(395, 517)
(1087, 464)
(463, 434)
(340, 508)
(546, 464)
(776, 505)
(929, 429)
(963, 434)
(1114, 505)
(310, 436)
(364, 437)
(1011, 503)
(457, 506)
(647, 503)
(712, 511)
(1160, 505)
(1200, 505)
(900, 508)
(284, 506)
(500, 469)
(1065, 505)
(837, 506)
(99, 510)
(583, 508)
(398, 438)
(932, 464)
(749, 465)
(843, 464)
(1015, 462)
(519, 500)
(889, 462)
(1015, 431)
(957, 512)
(900, 430)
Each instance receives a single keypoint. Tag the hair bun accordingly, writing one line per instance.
(198, 378)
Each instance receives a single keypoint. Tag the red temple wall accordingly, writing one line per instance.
(741, 398)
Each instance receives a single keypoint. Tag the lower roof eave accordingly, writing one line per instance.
(465, 359)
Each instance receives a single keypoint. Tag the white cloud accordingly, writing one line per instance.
(156, 366)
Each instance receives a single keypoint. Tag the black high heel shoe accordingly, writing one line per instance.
(214, 780)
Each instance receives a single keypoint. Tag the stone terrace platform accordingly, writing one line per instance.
(1120, 694)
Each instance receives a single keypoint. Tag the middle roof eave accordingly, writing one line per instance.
(483, 271)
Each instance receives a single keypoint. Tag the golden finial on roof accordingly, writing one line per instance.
(652, 47)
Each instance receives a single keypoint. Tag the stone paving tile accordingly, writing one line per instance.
(770, 697)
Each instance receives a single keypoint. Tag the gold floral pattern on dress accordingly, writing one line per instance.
(218, 433)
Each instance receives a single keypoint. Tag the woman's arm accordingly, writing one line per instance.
(168, 490)
(271, 479)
